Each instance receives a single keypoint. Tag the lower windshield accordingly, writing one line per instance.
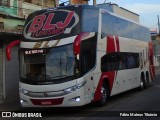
(47, 64)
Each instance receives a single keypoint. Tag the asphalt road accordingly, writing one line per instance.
(134, 101)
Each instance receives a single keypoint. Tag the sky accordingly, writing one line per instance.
(147, 9)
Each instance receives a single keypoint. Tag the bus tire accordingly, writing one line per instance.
(105, 94)
(147, 80)
(142, 83)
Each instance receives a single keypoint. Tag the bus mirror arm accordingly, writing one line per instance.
(8, 49)
(77, 42)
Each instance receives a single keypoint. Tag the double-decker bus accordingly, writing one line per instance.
(75, 55)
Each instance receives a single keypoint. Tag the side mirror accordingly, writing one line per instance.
(8, 49)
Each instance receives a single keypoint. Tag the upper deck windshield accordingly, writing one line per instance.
(47, 64)
(58, 63)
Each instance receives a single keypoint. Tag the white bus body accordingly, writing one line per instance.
(86, 57)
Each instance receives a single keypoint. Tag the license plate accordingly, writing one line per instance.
(46, 102)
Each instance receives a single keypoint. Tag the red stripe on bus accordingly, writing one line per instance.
(110, 44)
(151, 60)
(110, 76)
(117, 44)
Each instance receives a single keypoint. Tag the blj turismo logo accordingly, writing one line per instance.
(16, 114)
(50, 23)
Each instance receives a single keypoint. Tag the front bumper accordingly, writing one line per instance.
(75, 98)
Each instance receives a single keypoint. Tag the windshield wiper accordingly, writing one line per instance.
(59, 76)
(67, 60)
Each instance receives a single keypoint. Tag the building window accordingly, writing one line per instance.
(19, 27)
(4, 2)
(29, 1)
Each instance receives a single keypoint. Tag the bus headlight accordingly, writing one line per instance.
(23, 91)
(75, 99)
(74, 88)
(22, 101)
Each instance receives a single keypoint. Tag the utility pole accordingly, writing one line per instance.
(94, 2)
(70, 2)
(76, 2)
(56, 3)
(158, 25)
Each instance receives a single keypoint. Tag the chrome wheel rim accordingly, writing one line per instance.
(104, 94)
(142, 84)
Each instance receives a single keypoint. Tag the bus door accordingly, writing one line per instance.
(88, 63)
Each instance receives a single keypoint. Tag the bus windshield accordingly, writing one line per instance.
(48, 64)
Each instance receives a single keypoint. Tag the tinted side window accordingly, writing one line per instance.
(88, 54)
(109, 62)
(132, 60)
(119, 61)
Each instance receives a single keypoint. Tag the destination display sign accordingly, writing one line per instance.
(30, 52)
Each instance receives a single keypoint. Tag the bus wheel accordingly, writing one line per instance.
(105, 95)
(147, 80)
(142, 83)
